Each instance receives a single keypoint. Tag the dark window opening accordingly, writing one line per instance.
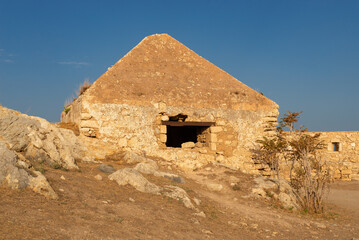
(176, 135)
(335, 146)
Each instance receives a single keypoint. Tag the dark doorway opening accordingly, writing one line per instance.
(176, 135)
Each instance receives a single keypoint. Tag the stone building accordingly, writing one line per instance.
(342, 154)
(164, 99)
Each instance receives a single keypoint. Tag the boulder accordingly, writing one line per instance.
(134, 178)
(18, 178)
(178, 194)
(214, 187)
(131, 157)
(106, 168)
(148, 166)
(173, 177)
(39, 184)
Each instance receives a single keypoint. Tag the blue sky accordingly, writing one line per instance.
(304, 55)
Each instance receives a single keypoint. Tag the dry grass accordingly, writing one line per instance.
(85, 85)
(82, 88)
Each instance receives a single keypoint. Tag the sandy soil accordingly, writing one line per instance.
(345, 195)
(91, 209)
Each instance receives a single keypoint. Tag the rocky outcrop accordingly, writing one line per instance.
(36, 139)
(13, 173)
(25, 140)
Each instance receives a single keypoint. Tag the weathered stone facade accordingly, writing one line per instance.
(165, 100)
(342, 154)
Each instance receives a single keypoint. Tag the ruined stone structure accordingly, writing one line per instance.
(342, 154)
(165, 100)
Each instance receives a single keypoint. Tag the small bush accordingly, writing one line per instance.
(269, 194)
(67, 109)
(309, 174)
(56, 166)
(236, 187)
(40, 169)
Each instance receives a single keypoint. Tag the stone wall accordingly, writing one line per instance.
(141, 129)
(73, 114)
(342, 153)
(228, 141)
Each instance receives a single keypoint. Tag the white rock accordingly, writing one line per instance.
(98, 177)
(197, 201)
(134, 178)
(131, 157)
(215, 187)
(178, 194)
(188, 145)
(147, 167)
(200, 214)
(39, 184)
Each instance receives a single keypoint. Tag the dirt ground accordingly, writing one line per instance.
(345, 195)
(100, 209)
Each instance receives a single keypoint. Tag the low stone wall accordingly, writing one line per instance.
(342, 154)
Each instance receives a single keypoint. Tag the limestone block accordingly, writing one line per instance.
(89, 132)
(199, 144)
(125, 112)
(188, 145)
(163, 129)
(203, 150)
(346, 172)
(221, 123)
(163, 138)
(213, 137)
(122, 142)
(85, 116)
(213, 146)
(228, 142)
(88, 124)
(162, 107)
(165, 118)
(220, 158)
(216, 129)
(133, 142)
